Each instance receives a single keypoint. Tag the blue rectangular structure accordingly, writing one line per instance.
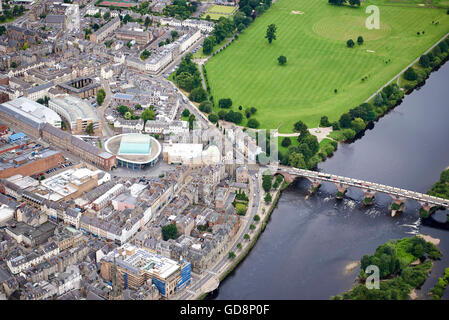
(185, 275)
(17, 137)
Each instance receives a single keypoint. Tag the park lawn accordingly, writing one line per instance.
(283, 149)
(318, 60)
(217, 11)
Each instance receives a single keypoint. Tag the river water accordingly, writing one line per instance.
(303, 252)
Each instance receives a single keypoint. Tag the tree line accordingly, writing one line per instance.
(226, 27)
(427, 62)
(345, 2)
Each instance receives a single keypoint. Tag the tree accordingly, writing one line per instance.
(198, 95)
(349, 133)
(222, 114)
(90, 128)
(345, 120)
(354, 3)
(147, 114)
(267, 200)
(337, 2)
(127, 18)
(169, 232)
(246, 237)
(312, 143)
(213, 117)
(122, 110)
(107, 15)
(271, 33)
(286, 142)
(324, 122)
(225, 103)
(267, 181)
(191, 121)
(350, 43)
(185, 113)
(282, 60)
(145, 54)
(252, 227)
(358, 125)
(231, 255)
(128, 115)
(205, 106)
(239, 246)
(256, 218)
(235, 117)
(360, 40)
(335, 125)
(410, 74)
(253, 123)
(208, 45)
(101, 94)
(147, 21)
(378, 100)
(296, 160)
(301, 128)
(174, 34)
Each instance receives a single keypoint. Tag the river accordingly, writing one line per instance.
(305, 247)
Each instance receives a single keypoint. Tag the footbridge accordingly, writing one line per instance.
(369, 188)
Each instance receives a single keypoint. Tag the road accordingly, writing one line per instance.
(107, 131)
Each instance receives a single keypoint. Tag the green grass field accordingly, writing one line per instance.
(318, 60)
(217, 11)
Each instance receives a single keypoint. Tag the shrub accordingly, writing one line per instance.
(410, 74)
(286, 142)
(213, 117)
(198, 95)
(253, 123)
(186, 113)
(360, 40)
(350, 43)
(225, 103)
(324, 122)
(205, 106)
(349, 133)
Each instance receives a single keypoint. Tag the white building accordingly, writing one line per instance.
(33, 111)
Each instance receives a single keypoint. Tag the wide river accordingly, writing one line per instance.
(303, 252)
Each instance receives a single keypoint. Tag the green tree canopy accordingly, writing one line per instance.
(169, 231)
(271, 33)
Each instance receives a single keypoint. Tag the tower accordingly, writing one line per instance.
(116, 293)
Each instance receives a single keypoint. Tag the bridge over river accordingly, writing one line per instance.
(369, 188)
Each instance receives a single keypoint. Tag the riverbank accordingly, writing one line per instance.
(391, 94)
(240, 256)
(318, 237)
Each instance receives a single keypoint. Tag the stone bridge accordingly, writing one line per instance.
(369, 188)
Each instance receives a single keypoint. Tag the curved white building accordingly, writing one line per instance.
(78, 112)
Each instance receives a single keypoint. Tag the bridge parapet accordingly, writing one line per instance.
(399, 195)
